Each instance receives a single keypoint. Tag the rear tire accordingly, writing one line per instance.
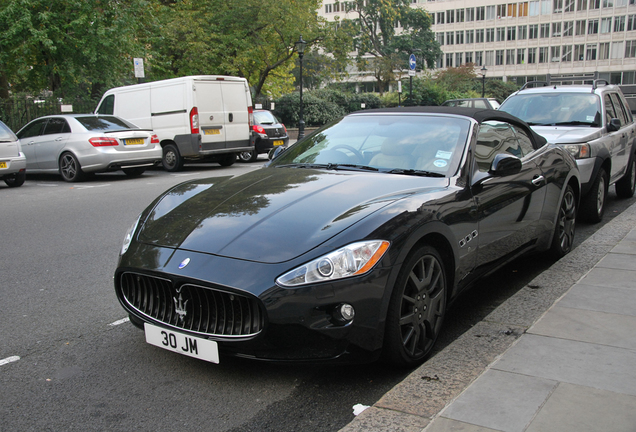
(70, 169)
(172, 160)
(563, 237)
(627, 184)
(16, 179)
(593, 204)
(417, 308)
(227, 160)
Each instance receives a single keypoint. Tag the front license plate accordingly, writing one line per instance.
(134, 141)
(192, 346)
(278, 142)
(212, 131)
(3, 164)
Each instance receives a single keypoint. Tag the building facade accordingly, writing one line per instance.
(561, 41)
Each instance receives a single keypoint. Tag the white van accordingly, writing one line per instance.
(195, 117)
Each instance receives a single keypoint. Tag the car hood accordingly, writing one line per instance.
(568, 134)
(272, 215)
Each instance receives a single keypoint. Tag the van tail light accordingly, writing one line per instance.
(154, 139)
(194, 120)
(103, 142)
(250, 115)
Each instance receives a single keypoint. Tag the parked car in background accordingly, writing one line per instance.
(592, 122)
(350, 244)
(74, 145)
(487, 103)
(197, 118)
(268, 132)
(12, 160)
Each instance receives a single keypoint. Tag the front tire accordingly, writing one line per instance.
(172, 160)
(563, 237)
(627, 184)
(593, 204)
(16, 179)
(417, 308)
(70, 169)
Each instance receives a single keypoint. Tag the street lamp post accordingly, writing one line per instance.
(483, 80)
(300, 47)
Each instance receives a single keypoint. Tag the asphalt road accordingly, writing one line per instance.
(81, 368)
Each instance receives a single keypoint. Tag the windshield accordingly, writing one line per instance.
(394, 143)
(6, 135)
(105, 123)
(264, 117)
(555, 109)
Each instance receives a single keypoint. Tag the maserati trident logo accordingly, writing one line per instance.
(184, 263)
(180, 307)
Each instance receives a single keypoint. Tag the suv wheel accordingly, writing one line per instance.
(626, 185)
(593, 204)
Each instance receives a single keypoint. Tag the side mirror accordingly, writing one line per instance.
(275, 152)
(614, 125)
(505, 165)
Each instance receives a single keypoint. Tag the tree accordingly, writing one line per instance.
(384, 50)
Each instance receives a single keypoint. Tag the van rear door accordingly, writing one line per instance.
(235, 101)
(208, 98)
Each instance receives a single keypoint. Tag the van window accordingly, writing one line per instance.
(107, 106)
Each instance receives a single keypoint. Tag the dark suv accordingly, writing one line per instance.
(594, 123)
(267, 132)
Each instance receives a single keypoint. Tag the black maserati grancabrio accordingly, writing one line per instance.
(351, 244)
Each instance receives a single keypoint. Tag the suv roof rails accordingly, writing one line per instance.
(545, 84)
(598, 81)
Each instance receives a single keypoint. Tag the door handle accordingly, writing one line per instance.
(59, 139)
(538, 180)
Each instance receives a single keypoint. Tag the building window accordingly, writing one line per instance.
(594, 4)
(557, 6)
(328, 8)
(480, 13)
(459, 15)
(440, 17)
(439, 37)
(458, 59)
(579, 52)
(511, 33)
(490, 12)
(590, 52)
(479, 58)
(566, 53)
(470, 37)
(619, 23)
(479, 36)
(501, 11)
(603, 51)
(555, 54)
(580, 27)
(440, 62)
(470, 14)
(581, 5)
(510, 56)
(501, 34)
(546, 7)
(543, 54)
(521, 56)
(608, 3)
(545, 30)
(606, 25)
(469, 57)
(568, 6)
(490, 35)
(522, 32)
(450, 38)
(459, 38)
(490, 58)
(630, 49)
(631, 22)
(499, 57)
(556, 29)
(534, 8)
(533, 31)
(592, 26)
(449, 60)
(568, 28)
(450, 16)
(523, 9)
(532, 55)
(618, 48)
(620, 3)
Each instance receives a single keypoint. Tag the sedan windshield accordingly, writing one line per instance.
(105, 123)
(408, 144)
(556, 109)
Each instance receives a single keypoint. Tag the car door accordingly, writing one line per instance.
(53, 139)
(616, 141)
(30, 137)
(508, 207)
(626, 136)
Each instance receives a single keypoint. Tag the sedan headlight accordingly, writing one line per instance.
(352, 260)
(129, 236)
(579, 151)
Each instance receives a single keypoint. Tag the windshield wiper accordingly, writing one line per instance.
(574, 123)
(413, 172)
(537, 124)
(352, 167)
(302, 165)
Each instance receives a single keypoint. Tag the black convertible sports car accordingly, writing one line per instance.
(352, 243)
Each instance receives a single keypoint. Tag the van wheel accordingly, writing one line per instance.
(626, 185)
(593, 204)
(171, 160)
(227, 160)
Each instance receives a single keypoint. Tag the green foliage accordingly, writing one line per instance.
(316, 111)
(500, 90)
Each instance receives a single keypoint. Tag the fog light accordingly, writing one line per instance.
(346, 312)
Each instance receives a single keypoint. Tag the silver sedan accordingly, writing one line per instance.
(78, 144)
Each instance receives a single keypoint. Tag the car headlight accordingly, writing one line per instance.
(579, 151)
(352, 260)
(129, 236)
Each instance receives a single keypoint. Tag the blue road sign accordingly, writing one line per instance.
(412, 62)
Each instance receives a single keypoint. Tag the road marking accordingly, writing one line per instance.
(90, 186)
(9, 360)
(121, 321)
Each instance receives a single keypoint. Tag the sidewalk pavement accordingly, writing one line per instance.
(572, 368)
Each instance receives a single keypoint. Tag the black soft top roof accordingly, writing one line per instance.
(478, 114)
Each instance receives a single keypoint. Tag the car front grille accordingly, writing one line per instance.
(198, 309)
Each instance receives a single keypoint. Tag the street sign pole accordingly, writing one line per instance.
(412, 63)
